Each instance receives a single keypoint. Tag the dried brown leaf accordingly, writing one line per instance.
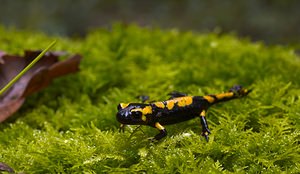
(37, 78)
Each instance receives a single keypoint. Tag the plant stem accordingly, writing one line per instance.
(15, 79)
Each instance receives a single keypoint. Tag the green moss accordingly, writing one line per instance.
(70, 127)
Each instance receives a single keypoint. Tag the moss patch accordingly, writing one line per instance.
(70, 127)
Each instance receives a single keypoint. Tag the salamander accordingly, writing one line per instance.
(180, 107)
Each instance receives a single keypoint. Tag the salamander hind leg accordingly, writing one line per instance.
(205, 130)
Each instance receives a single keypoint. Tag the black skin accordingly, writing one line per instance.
(156, 115)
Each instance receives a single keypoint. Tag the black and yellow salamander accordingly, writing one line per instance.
(178, 108)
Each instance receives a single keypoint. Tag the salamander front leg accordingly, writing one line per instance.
(205, 130)
(162, 131)
(122, 128)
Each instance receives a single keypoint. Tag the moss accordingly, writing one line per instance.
(70, 127)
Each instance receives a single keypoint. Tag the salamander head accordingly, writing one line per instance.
(130, 113)
(239, 91)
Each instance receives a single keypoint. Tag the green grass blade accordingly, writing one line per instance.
(14, 80)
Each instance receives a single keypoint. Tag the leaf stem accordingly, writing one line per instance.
(15, 79)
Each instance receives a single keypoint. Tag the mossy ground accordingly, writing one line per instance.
(70, 127)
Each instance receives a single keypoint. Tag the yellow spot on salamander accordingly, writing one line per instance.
(137, 110)
(170, 104)
(225, 95)
(183, 101)
(147, 110)
(159, 104)
(210, 99)
(144, 118)
(203, 113)
(159, 126)
(124, 105)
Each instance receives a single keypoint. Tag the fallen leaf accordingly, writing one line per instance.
(37, 78)
(6, 168)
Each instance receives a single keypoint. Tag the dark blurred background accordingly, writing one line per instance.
(271, 21)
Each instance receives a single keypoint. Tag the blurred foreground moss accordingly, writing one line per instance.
(70, 127)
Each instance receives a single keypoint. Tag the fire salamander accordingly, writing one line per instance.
(178, 108)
